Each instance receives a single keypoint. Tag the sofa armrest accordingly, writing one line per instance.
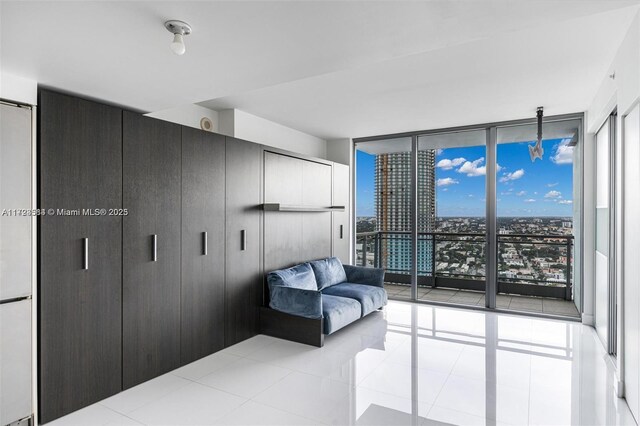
(296, 301)
(362, 275)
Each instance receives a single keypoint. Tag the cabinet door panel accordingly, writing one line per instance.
(151, 288)
(244, 280)
(341, 221)
(15, 353)
(203, 210)
(80, 309)
(15, 192)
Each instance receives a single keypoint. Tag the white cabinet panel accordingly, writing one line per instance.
(15, 365)
(15, 193)
(341, 220)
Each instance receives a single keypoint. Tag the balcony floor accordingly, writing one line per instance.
(474, 298)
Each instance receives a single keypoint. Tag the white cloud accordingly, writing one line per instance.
(445, 189)
(447, 164)
(564, 153)
(565, 202)
(473, 168)
(551, 185)
(553, 194)
(439, 151)
(521, 193)
(446, 181)
(512, 176)
(529, 200)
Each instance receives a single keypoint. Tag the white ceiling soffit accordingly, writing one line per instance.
(556, 65)
(118, 51)
(385, 146)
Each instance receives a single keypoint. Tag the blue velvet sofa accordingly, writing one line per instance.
(325, 291)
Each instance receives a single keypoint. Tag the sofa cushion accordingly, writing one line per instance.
(370, 297)
(328, 272)
(299, 276)
(362, 275)
(339, 312)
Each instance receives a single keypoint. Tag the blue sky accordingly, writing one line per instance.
(542, 188)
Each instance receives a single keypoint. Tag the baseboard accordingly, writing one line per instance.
(588, 319)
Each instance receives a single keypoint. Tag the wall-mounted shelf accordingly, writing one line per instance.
(277, 207)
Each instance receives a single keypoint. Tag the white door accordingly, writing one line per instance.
(631, 250)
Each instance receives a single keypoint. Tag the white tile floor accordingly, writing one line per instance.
(408, 365)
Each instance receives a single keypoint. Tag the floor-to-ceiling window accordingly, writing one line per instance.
(535, 217)
(446, 231)
(383, 211)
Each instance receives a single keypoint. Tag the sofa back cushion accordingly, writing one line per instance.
(328, 272)
(299, 276)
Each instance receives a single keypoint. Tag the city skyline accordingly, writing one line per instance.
(543, 188)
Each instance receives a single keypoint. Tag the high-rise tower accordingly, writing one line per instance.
(393, 209)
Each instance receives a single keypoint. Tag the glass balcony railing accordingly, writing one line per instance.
(528, 264)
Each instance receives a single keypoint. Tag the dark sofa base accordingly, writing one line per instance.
(291, 327)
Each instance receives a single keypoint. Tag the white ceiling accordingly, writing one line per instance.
(331, 69)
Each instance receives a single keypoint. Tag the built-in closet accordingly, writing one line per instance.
(152, 254)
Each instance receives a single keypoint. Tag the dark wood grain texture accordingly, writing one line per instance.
(151, 290)
(203, 210)
(243, 272)
(291, 327)
(80, 161)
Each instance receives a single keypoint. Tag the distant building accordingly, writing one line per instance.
(393, 208)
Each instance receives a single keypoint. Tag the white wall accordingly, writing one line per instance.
(249, 127)
(188, 115)
(621, 91)
(18, 89)
(624, 89)
(340, 151)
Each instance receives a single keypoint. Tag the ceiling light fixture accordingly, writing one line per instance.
(179, 29)
(536, 151)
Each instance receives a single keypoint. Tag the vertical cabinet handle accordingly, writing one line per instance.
(341, 231)
(85, 253)
(154, 244)
(243, 240)
(205, 243)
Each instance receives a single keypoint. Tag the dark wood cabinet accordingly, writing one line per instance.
(203, 247)
(79, 292)
(151, 248)
(153, 256)
(243, 240)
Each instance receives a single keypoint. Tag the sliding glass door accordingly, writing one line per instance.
(478, 216)
(451, 217)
